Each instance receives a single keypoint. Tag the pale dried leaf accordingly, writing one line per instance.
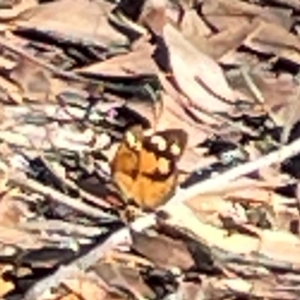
(196, 72)
(83, 20)
(224, 14)
(11, 13)
(195, 30)
(228, 40)
(272, 39)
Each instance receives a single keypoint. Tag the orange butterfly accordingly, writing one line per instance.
(145, 167)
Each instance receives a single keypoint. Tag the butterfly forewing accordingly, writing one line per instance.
(126, 159)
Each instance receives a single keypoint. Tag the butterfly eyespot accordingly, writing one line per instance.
(132, 141)
(160, 142)
(175, 149)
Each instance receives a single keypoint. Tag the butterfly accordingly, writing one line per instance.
(145, 167)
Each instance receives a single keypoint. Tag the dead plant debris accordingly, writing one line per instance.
(149, 149)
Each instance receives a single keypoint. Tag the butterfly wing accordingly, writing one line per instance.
(157, 177)
(150, 194)
(145, 168)
(125, 165)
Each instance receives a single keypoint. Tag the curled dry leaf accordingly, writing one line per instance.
(196, 75)
(196, 31)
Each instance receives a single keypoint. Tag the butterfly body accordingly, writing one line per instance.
(145, 167)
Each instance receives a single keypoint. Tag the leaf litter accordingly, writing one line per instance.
(74, 75)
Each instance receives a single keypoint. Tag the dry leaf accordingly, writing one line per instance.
(224, 14)
(120, 275)
(195, 30)
(33, 80)
(197, 75)
(85, 21)
(86, 288)
(21, 6)
(272, 39)
(134, 63)
(228, 40)
(163, 251)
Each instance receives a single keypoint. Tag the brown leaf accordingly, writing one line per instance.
(88, 22)
(224, 14)
(273, 39)
(33, 80)
(195, 30)
(36, 82)
(114, 274)
(228, 40)
(86, 288)
(13, 12)
(136, 62)
(198, 76)
(190, 291)
(10, 213)
(163, 251)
